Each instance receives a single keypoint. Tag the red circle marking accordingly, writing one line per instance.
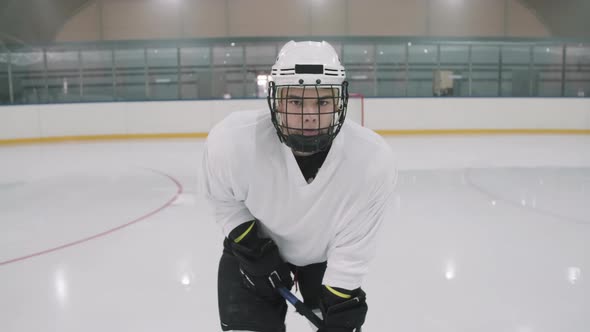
(105, 233)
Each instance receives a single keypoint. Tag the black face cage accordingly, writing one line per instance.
(307, 134)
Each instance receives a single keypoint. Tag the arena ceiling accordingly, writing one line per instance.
(37, 21)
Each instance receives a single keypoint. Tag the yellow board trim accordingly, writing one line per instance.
(337, 293)
(425, 132)
(241, 237)
(61, 139)
(484, 132)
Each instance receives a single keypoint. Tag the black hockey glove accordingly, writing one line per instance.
(261, 265)
(343, 310)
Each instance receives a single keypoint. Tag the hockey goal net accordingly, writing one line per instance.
(356, 108)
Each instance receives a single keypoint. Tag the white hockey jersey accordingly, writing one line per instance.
(249, 174)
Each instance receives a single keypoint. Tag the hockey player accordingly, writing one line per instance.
(300, 194)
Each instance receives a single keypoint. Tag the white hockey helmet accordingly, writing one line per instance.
(307, 62)
(308, 65)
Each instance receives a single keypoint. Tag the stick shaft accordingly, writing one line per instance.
(300, 307)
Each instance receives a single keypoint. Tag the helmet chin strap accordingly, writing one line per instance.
(307, 144)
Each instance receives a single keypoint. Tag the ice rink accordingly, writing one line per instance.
(488, 234)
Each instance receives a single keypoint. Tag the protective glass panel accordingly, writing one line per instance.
(485, 71)
(28, 77)
(130, 74)
(163, 73)
(423, 63)
(518, 80)
(97, 75)
(548, 61)
(577, 71)
(63, 76)
(4, 83)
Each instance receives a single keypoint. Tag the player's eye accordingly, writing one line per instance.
(295, 102)
(324, 102)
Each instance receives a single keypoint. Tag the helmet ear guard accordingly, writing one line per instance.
(307, 66)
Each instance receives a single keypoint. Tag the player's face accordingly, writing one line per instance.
(307, 111)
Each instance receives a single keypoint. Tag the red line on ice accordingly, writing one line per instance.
(105, 233)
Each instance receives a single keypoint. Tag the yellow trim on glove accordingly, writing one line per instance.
(241, 237)
(337, 293)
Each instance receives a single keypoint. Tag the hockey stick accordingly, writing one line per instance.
(275, 281)
(300, 307)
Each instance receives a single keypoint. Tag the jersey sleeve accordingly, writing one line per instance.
(218, 181)
(354, 246)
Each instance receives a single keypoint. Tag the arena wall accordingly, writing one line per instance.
(387, 116)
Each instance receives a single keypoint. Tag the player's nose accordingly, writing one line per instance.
(310, 116)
